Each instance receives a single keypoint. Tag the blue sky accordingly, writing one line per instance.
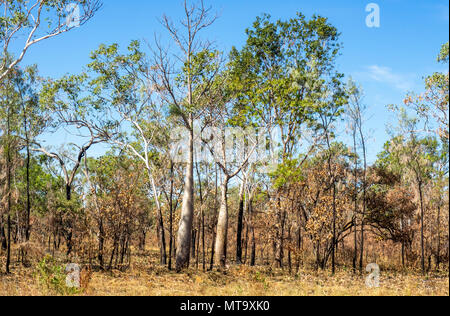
(387, 61)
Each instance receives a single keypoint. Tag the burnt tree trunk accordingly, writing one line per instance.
(240, 225)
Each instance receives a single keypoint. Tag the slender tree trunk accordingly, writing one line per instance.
(240, 224)
(299, 246)
(203, 241)
(187, 210)
(101, 240)
(355, 196)
(361, 258)
(69, 233)
(4, 243)
(253, 253)
(193, 242)
(438, 248)
(222, 227)
(279, 241)
(213, 239)
(162, 237)
(332, 178)
(28, 205)
(422, 240)
(8, 253)
(289, 251)
(197, 246)
(213, 243)
(252, 232)
(245, 245)
(402, 225)
(160, 226)
(171, 216)
(334, 242)
(8, 191)
(403, 254)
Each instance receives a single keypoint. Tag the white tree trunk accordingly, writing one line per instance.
(222, 227)
(187, 211)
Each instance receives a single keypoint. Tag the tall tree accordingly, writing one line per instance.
(355, 111)
(10, 106)
(183, 84)
(32, 126)
(417, 155)
(280, 75)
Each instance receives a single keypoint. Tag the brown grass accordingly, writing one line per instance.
(147, 279)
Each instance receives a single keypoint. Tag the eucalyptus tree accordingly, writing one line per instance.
(441, 197)
(183, 78)
(418, 156)
(114, 102)
(231, 148)
(66, 109)
(9, 128)
(332, 108)
(18, 104)
(32, 125)
(281, 74)
(355, 111)
(26, 23)
(134, 117)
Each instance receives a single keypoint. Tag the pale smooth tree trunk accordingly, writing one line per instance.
(222, 227)
(160, 227)
(187, 210)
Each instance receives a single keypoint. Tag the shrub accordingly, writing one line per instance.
(51, 277)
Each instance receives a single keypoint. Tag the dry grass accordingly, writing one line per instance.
(146, 279)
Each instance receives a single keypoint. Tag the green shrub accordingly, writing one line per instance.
(51, 277)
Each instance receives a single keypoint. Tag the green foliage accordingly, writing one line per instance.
(413, 158)
(285, 76)
(287, 172)
(443, 56)
(432, 106)
(51, 277)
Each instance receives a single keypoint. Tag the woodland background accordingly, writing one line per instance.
(321, 216)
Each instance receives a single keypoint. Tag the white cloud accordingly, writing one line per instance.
(386, 75)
